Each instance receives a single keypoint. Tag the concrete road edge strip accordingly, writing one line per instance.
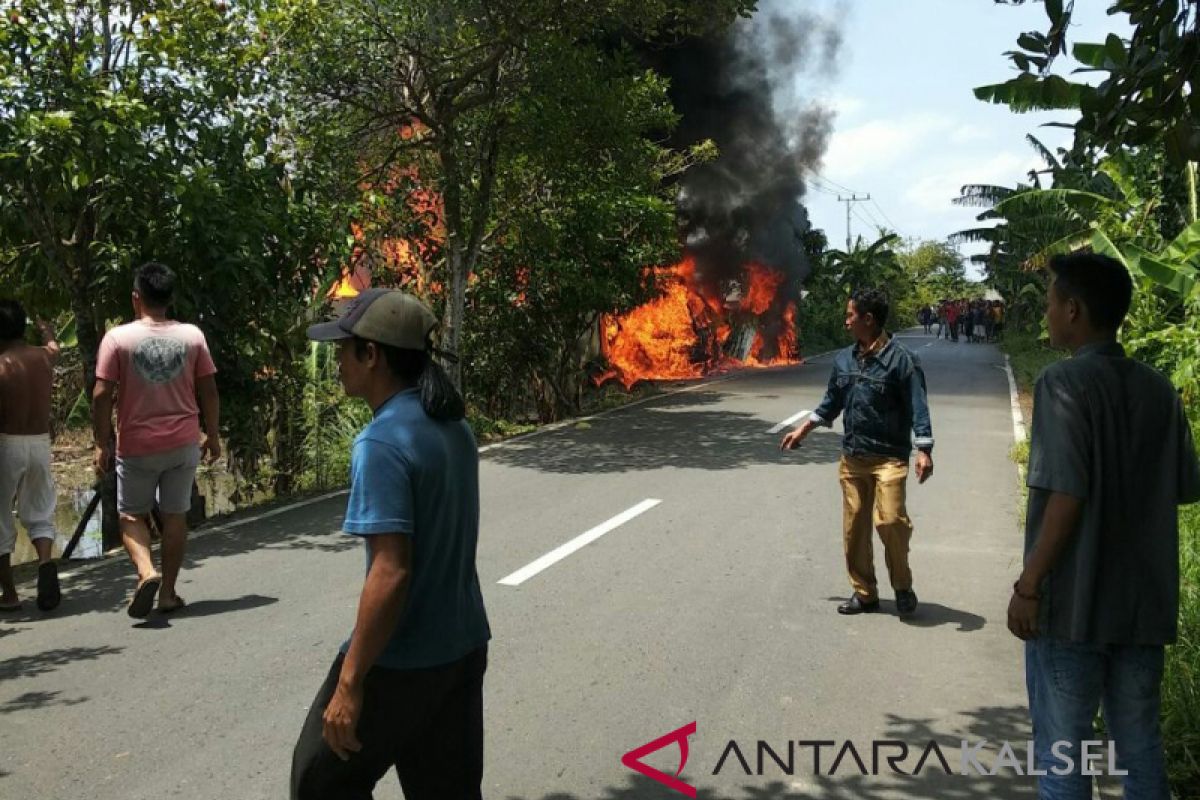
(1017, 418)
(582, 540)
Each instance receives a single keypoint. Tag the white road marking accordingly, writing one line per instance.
(562, 551)
(790, 420)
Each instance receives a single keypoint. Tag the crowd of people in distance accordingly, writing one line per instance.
(975, 320)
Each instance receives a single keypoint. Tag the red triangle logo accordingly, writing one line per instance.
(633, 759)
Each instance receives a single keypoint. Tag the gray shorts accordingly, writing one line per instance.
(168, 474)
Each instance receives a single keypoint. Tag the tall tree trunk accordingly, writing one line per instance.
(465, 228)
(456, 259)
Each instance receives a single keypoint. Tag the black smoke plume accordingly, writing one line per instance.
(741, 91)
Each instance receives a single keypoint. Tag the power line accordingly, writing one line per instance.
(895, 227)
(833, 188)
(820, 180)
(874, 220)
(816, 182)
(822, 189)
(834, 183)
(867, 222)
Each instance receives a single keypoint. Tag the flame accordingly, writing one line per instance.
(405, 261)
(762, 287)
(686, 332)
(355, 278)
(787, 349)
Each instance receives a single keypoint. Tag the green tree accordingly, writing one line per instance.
(1148, 94)
(876, 264)
(582, 209)
(837, 274)
(935, 270)
(457, 73)
(131, 133)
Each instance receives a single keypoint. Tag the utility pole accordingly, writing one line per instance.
(853, 198)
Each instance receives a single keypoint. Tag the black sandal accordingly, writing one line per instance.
(143, 597)
(49, 593)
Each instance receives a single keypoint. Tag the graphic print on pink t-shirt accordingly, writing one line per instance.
(155, 366)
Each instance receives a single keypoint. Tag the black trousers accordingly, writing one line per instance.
(427, 723)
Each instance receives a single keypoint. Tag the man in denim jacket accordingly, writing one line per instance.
(880, 387)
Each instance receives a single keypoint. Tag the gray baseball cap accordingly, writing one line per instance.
(387, 316)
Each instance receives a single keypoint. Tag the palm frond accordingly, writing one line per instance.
(982, 195)
(1049, 201)
(1072, 242)
(1044, 152)
(976, 235)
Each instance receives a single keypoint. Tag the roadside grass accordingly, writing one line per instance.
(488, 429)
(1029, 356)
(1181, 681)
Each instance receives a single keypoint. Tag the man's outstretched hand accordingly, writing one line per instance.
(794, 437)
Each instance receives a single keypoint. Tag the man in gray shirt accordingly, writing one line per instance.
(1111, 459)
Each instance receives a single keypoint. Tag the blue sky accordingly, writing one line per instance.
(908, 130)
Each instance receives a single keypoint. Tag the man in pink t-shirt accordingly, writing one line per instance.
(155, 367)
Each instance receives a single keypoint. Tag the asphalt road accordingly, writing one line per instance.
(715, 606)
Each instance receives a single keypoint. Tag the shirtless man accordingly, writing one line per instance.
(26, 380)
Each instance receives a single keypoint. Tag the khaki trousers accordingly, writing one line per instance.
(873, 493)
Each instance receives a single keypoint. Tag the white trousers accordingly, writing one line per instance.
(25, 481)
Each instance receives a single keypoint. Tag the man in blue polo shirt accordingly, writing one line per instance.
(406, 690)
(878, 387)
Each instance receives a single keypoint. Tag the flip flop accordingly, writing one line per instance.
(175, 605)
(143, 597)
(49, 593)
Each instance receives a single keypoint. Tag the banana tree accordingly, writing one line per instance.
(1173, 268)
(1161, 325)
(867, 264)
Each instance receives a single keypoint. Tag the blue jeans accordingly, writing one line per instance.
(1067, 683)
